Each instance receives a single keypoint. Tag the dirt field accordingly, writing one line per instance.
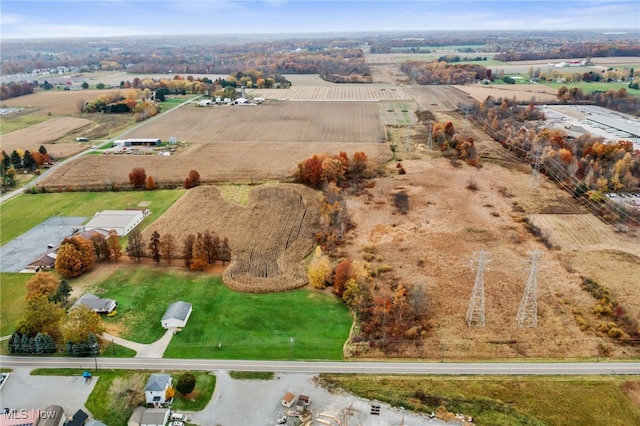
(269, 237)
(272, 121)
(520, 91)
(46, 134)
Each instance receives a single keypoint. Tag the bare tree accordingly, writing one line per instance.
(168, 247)
(135, 249)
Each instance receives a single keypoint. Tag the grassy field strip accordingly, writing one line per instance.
(496, 401)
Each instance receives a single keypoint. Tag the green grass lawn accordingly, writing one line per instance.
(12, 302)
(20, 122)
(98, 401)
(226, 324)
(508, 401)
(28, 210)
(594, 87)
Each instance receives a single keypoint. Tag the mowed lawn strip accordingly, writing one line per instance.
(26, 211)
(226, 324)
(496, 401)
(12, 300)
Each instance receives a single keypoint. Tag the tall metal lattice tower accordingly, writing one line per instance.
(475, 312)
(528, 310)
(534, 181)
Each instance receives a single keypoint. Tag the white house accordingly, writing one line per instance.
(122, 221)
(155, 417)
(176, 315)
(155, 392)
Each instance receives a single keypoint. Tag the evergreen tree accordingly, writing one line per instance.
(24, 344)
(16, 161)
(27, 161)
(31, 345)
(224, 253)
(6, 161)
(42, 150)
(62, 292)
(84, 349)
(49, 344)
(39, 343)
(92, 342)
(14, 342)
(75, 349)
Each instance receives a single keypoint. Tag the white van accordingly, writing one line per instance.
(178, 416)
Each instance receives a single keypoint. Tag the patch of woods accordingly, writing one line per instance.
(586, 165)
(454, 145)
(616, 100)
(48, 326)
(575, 49)
(426, 73)
(388, 312)
(138, 102)
(22, 160)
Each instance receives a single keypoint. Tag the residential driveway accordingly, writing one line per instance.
(23, 391)
(151, 350)
(258, 402)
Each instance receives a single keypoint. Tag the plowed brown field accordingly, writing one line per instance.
(44, 134)
(269, 237)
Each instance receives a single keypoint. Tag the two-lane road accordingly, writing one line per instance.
(499, 368)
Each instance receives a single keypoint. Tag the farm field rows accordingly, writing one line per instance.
(269, 237)
(44, 134)
(273, 121)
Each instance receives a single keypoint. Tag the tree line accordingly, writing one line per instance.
(426, 73)
(197, 250)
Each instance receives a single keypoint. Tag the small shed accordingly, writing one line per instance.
(55, 414)
(288, 399)
(78, 419)
(176, 315)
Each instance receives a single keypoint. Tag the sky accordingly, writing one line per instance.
(92, 18)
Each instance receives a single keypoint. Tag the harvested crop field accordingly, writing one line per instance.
(269, 237)
(522, 92)
(55, 102)
(272, 121)
(216, 162)
(45, 134)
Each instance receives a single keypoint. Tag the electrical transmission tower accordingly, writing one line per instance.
(528, 310)
(475, 312)
(534, 181)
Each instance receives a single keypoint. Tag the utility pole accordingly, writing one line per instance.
(475, 311)
(528, 311)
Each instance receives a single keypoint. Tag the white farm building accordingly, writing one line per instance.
(176, 315)
(122, 221)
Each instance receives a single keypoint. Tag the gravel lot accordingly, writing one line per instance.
(257, 402)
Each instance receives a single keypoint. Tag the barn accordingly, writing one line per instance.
(138, 142)
(122, 221)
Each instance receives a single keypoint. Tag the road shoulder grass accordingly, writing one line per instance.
(517, 400)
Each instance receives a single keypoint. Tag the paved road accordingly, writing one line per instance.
(561, 368)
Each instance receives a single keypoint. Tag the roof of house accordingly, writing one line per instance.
(177, 310)
(158, 382)
(96, 303)
(109, 219)
(78, 419)
(155, 416)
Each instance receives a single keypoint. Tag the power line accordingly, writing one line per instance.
(528, 311)
(475, 311)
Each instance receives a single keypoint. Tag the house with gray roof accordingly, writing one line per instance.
(176, 315)
(155, 417)
(155, 391)
(96, 303)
